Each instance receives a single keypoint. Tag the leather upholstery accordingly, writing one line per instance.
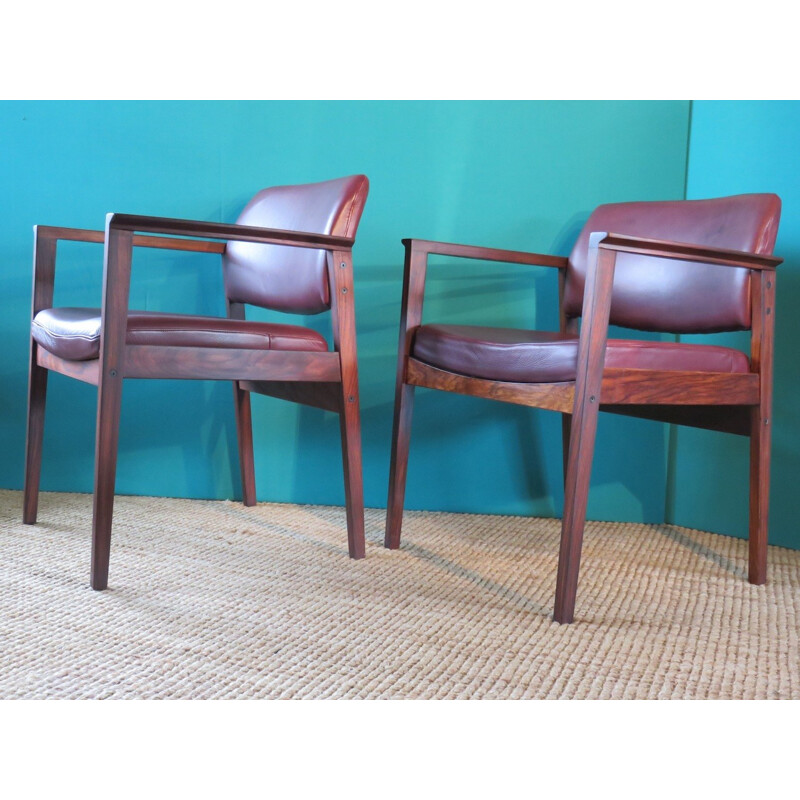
(74, 333)
(520, 356)
(290, 278)
(678, 296)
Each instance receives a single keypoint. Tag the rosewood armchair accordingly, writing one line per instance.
(696, 266)
(290, 250)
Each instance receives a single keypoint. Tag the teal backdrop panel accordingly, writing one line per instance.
(740, 147)
(508, 174)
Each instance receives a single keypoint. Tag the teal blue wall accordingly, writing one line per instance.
(748, 147)
(507, 174)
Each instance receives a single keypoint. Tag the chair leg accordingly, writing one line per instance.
(350, 425)
(566, 426)
(107, 439)
(576, 495)
(37, 394)
(398, 467)
(760, 448)
(244, 436)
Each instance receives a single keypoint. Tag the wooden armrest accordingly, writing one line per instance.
(484, 253)
(684, 252)
(98, 237)
(221, 230)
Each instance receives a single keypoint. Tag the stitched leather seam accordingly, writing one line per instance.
(57, 335)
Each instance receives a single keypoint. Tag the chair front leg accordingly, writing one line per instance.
(414, 273)
(109, 402)
(583, 427)
(113, 330)
(37, 394)
(44, 273)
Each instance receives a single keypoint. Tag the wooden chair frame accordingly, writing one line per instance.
(736, 403)
(327, 380)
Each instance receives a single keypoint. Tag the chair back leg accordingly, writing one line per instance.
(566, 426)
(105, 469)
(244, 437)
(37, 394)
(761, 357)
(760, 446)
(398, 467)
(349, 422)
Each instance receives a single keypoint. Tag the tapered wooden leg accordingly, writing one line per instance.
(244, 436)
(37, 393)
(349, 421)
(398, 467)
(105, 470)
(340, 274)
(576, 495)
(760, 445)
(583, 427)
(566, 425)
(761, 358)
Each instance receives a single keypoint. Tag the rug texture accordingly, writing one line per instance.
(210, 599)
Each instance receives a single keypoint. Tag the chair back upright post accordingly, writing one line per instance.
(304, 282)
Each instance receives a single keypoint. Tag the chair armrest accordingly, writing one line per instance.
(98, 237)
(684, 252)
(416, 266)
(222, 230)
(485, 253)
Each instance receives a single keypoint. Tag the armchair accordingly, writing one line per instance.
(692, 266)
(290, 250)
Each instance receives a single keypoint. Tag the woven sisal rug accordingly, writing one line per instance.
(214, 600)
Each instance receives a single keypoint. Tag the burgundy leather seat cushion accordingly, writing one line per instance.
(74, 333)
(519, 356)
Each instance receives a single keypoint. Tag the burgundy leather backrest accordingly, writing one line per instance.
(292, 279)
(659, 294)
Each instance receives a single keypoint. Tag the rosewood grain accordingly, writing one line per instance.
(227, 231)
(588, 381)
(222, 363)
(761, 355)
(317, 394)
(159, 242)
(86, 371)
(244, 425)
(114, 317)
(551, 396)
(343, 314)
(44, 270)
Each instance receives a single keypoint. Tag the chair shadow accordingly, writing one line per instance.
(476, 579)
(679, 537)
